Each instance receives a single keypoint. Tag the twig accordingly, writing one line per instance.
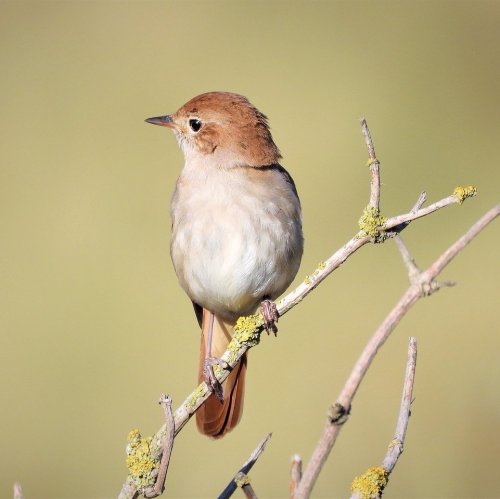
(295, 473)
(374, 480)
(413, 215)
(408, 260)
(18, 491)
(396, 447)
(374, 165)
(243, 471)
(338, 415)
(159, 486)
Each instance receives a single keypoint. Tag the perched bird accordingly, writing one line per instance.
(236, 232)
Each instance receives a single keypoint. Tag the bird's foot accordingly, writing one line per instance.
(270, 314)
(210, 378)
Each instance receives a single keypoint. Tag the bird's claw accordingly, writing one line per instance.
(210, 378)
(270, 314)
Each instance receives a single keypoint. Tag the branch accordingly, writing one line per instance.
(168, 444)
(396, 447)
(374, 480)
(374, 165)
(458, 197)
(423, 286)
(248, 329)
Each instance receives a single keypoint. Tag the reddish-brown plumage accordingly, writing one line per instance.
(231, 122)
(214, 418)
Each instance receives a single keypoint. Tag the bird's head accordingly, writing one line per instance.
(223, 127)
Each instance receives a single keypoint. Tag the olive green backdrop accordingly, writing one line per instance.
(93, 323)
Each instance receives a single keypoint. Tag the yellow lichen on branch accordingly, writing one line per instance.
(370, 223)
(246, 332)
(140, 464)
(371, 483)
(463, 192)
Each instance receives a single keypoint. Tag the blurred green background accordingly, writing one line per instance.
(93, 323)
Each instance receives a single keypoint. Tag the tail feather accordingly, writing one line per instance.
(214, 418)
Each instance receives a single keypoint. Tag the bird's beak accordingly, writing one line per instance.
(161, 120)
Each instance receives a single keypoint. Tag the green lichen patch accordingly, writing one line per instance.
(463, 192)
(140, 464)
(371, 222)
(370, 484)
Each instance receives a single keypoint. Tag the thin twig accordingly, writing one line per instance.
(408, 260)
(295, 473)
(341, 409)
(417, 206)
(374, 165)
(396, 447)
(413, 215)
(453, 250)
(233, 484)
(159, 486)
(18, 491)
(375, 479)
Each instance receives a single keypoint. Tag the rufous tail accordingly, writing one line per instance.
(214, 418)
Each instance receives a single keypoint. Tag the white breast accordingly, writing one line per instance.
(235, 239)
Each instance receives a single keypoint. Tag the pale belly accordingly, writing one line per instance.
(231, 252)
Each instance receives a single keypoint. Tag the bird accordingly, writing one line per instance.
(237, 241)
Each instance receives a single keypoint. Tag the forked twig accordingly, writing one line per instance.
(374, 480)
(159, 486)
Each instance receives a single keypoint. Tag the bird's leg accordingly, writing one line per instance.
(208, 369)
(270, 314)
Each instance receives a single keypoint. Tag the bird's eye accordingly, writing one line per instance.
(195, 124)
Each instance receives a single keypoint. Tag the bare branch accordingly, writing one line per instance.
(166, 449)
(374, 480)
(413, 215)
(396, 446)
(340, 410)
(374, 165)
(408, 260)
(453, 250)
